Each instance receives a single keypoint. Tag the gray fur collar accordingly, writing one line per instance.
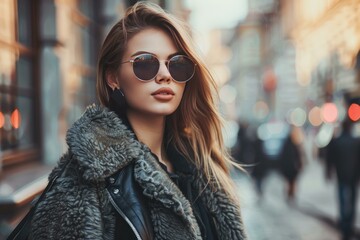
(102, 144)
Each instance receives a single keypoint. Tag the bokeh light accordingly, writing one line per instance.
(2, 120)
(324, 135)
(315, 116)
(16, 119)
(272, 130)
(354, 112)
(228, 94)
(329, 112)
(298, 117)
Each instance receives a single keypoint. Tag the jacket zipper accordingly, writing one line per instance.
(124, 216)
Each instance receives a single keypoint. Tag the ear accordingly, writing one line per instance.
(112, 80)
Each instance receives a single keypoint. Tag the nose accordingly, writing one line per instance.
(163, 75)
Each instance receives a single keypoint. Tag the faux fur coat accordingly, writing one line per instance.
(78, 206)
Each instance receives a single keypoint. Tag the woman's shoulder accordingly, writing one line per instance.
(94, 118)
(100, 144)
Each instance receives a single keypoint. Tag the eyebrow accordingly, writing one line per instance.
(142, 52)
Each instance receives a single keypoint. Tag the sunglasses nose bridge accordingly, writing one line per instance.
(163, 72)
(164, 62)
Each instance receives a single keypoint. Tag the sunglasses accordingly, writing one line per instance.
(146, 67)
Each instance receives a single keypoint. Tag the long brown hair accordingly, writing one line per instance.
(195, 127)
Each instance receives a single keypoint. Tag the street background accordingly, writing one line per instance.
(288, 76)
(313, 215)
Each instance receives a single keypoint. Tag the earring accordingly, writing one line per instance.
(118, 97)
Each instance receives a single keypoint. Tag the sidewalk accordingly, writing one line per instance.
(313, 216)
(318, 197)
(272, 218)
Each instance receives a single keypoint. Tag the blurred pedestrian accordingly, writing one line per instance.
(150, 163)
(290, 161)
(343, 156)
(243, 150)
(260, 166)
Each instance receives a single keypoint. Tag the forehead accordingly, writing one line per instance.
(152, 40)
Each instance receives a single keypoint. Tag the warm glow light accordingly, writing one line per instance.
(15, 119)
(270, 80)
(315, 116)
(2, 120)
(354, 112)
(329, 112)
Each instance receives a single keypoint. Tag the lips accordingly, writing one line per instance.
(163, 94)
(163, 91)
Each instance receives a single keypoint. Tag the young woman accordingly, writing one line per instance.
(150, 162)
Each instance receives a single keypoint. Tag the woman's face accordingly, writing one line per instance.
(161, 95)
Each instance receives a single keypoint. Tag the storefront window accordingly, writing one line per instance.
(17, 88)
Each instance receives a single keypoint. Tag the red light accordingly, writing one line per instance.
(354, 112)
(329, 112)
(2, 120)
(15, 119)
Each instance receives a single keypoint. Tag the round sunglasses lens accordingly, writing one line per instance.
(145, 66)
(181, 68)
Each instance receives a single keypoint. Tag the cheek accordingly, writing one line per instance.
(180, 95)
(125, 76)
(182, 90)
(136, 93)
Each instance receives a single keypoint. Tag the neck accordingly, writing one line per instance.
(150, 130)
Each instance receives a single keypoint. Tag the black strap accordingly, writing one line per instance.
(22, 230)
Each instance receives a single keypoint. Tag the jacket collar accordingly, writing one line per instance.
(102, 144)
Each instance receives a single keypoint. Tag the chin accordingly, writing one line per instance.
(163, 111)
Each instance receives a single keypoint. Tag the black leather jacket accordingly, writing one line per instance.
(127, 199)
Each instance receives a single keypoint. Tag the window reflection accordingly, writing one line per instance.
(17, 77)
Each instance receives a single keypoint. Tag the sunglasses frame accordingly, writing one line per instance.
(167, 66)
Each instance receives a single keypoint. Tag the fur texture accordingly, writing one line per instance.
(78, 205)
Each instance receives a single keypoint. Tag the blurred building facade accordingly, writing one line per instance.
(48, 50)
(289, 57)
(327, 40)
(48, 54)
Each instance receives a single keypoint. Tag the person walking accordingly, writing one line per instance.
(260, 167)
(343, 156)
(290, 162)
(150, 162)
(243, 149)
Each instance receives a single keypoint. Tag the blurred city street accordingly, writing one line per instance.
(287, 74)
(312, 215)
